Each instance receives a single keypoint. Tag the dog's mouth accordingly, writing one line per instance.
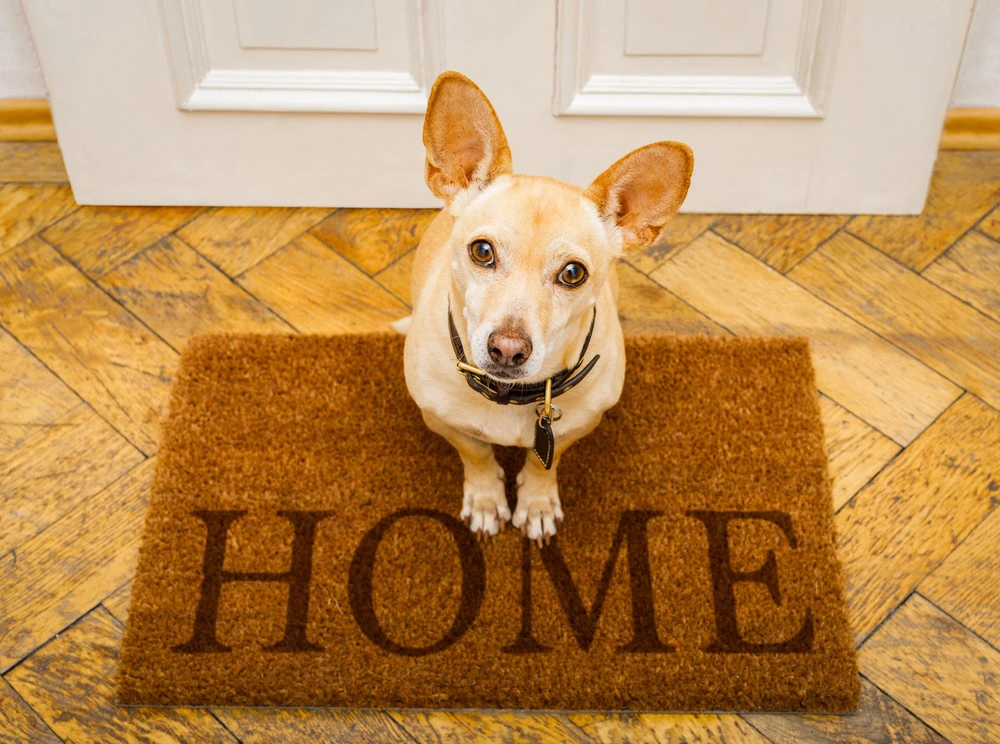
(502, 374)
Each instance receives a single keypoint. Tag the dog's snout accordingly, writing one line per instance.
(509, 348)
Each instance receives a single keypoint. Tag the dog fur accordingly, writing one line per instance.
(535, 226)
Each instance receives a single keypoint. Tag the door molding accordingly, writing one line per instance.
(582, 91)
(201, 87)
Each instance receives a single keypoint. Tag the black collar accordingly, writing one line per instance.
(520, 393)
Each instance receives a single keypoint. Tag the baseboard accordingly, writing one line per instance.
(971, 129)
(29, 120)
(25, 120)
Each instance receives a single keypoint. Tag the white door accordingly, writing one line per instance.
(789, 105)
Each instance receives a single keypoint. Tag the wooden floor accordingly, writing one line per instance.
(903, 314)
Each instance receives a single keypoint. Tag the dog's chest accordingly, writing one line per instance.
(510, 426)
(513, 425)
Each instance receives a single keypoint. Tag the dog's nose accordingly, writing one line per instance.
(508, 348)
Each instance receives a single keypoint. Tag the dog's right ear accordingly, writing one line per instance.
(465, 143)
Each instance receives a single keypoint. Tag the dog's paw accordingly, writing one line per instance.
(484, 506)
(538, 510)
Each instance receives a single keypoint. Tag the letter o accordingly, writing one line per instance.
(359, 584)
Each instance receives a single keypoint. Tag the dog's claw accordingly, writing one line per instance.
(538, 541)
(548, 538)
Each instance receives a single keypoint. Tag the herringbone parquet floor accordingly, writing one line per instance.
(903, 314)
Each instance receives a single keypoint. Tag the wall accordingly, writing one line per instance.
(978, 82)
(20, 76)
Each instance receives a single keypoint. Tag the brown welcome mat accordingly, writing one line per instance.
(303, 547)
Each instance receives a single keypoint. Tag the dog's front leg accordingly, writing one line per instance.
(484, 501)
(538, 508)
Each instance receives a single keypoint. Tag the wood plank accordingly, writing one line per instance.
(856, 451)
(644, 307)
(27, 208)
(237, 238)
(964, 187)
(179, 294)
(267, 725)
(990, 224)
(319, 291)
(970, 270)
(97, 239)
(779, 240)
(971, 129)
(70, 683)
(31, 397)
(372, 239)
(62, 573)
(938, 670)
(31, 162)
(63, 465)
(879, 718)
(967, 584)
(18, 722)
(117, 603)
(26, 119)
(926, 501)
(666, 729)
(865, 374)
(487, 726)
(397, 275)
(906, 309)
(88, 340)
(681, 230)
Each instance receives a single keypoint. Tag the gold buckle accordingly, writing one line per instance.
(463, 368)
(546, 409)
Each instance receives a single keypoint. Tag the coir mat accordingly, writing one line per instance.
(303, 545)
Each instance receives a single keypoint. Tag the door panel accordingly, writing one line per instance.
(302, 24)
(680, 28)
(714, 58)
(361, 56)
(789, 105)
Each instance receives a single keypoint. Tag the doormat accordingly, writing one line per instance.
(303, 545)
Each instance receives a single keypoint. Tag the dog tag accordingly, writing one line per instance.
(545, 441)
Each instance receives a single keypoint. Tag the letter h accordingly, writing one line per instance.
(298, 578)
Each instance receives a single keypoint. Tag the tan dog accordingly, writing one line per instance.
(525, 267)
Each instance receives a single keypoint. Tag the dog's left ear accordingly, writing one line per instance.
(465, 143)
(643, 190)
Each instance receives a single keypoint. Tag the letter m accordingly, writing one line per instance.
(632, 534)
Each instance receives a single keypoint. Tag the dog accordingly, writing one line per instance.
(514, 337)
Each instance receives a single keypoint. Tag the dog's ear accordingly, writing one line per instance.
(643, 190)
(465, 143)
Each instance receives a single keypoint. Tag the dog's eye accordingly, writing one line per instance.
(573, 275)
(481, 252)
